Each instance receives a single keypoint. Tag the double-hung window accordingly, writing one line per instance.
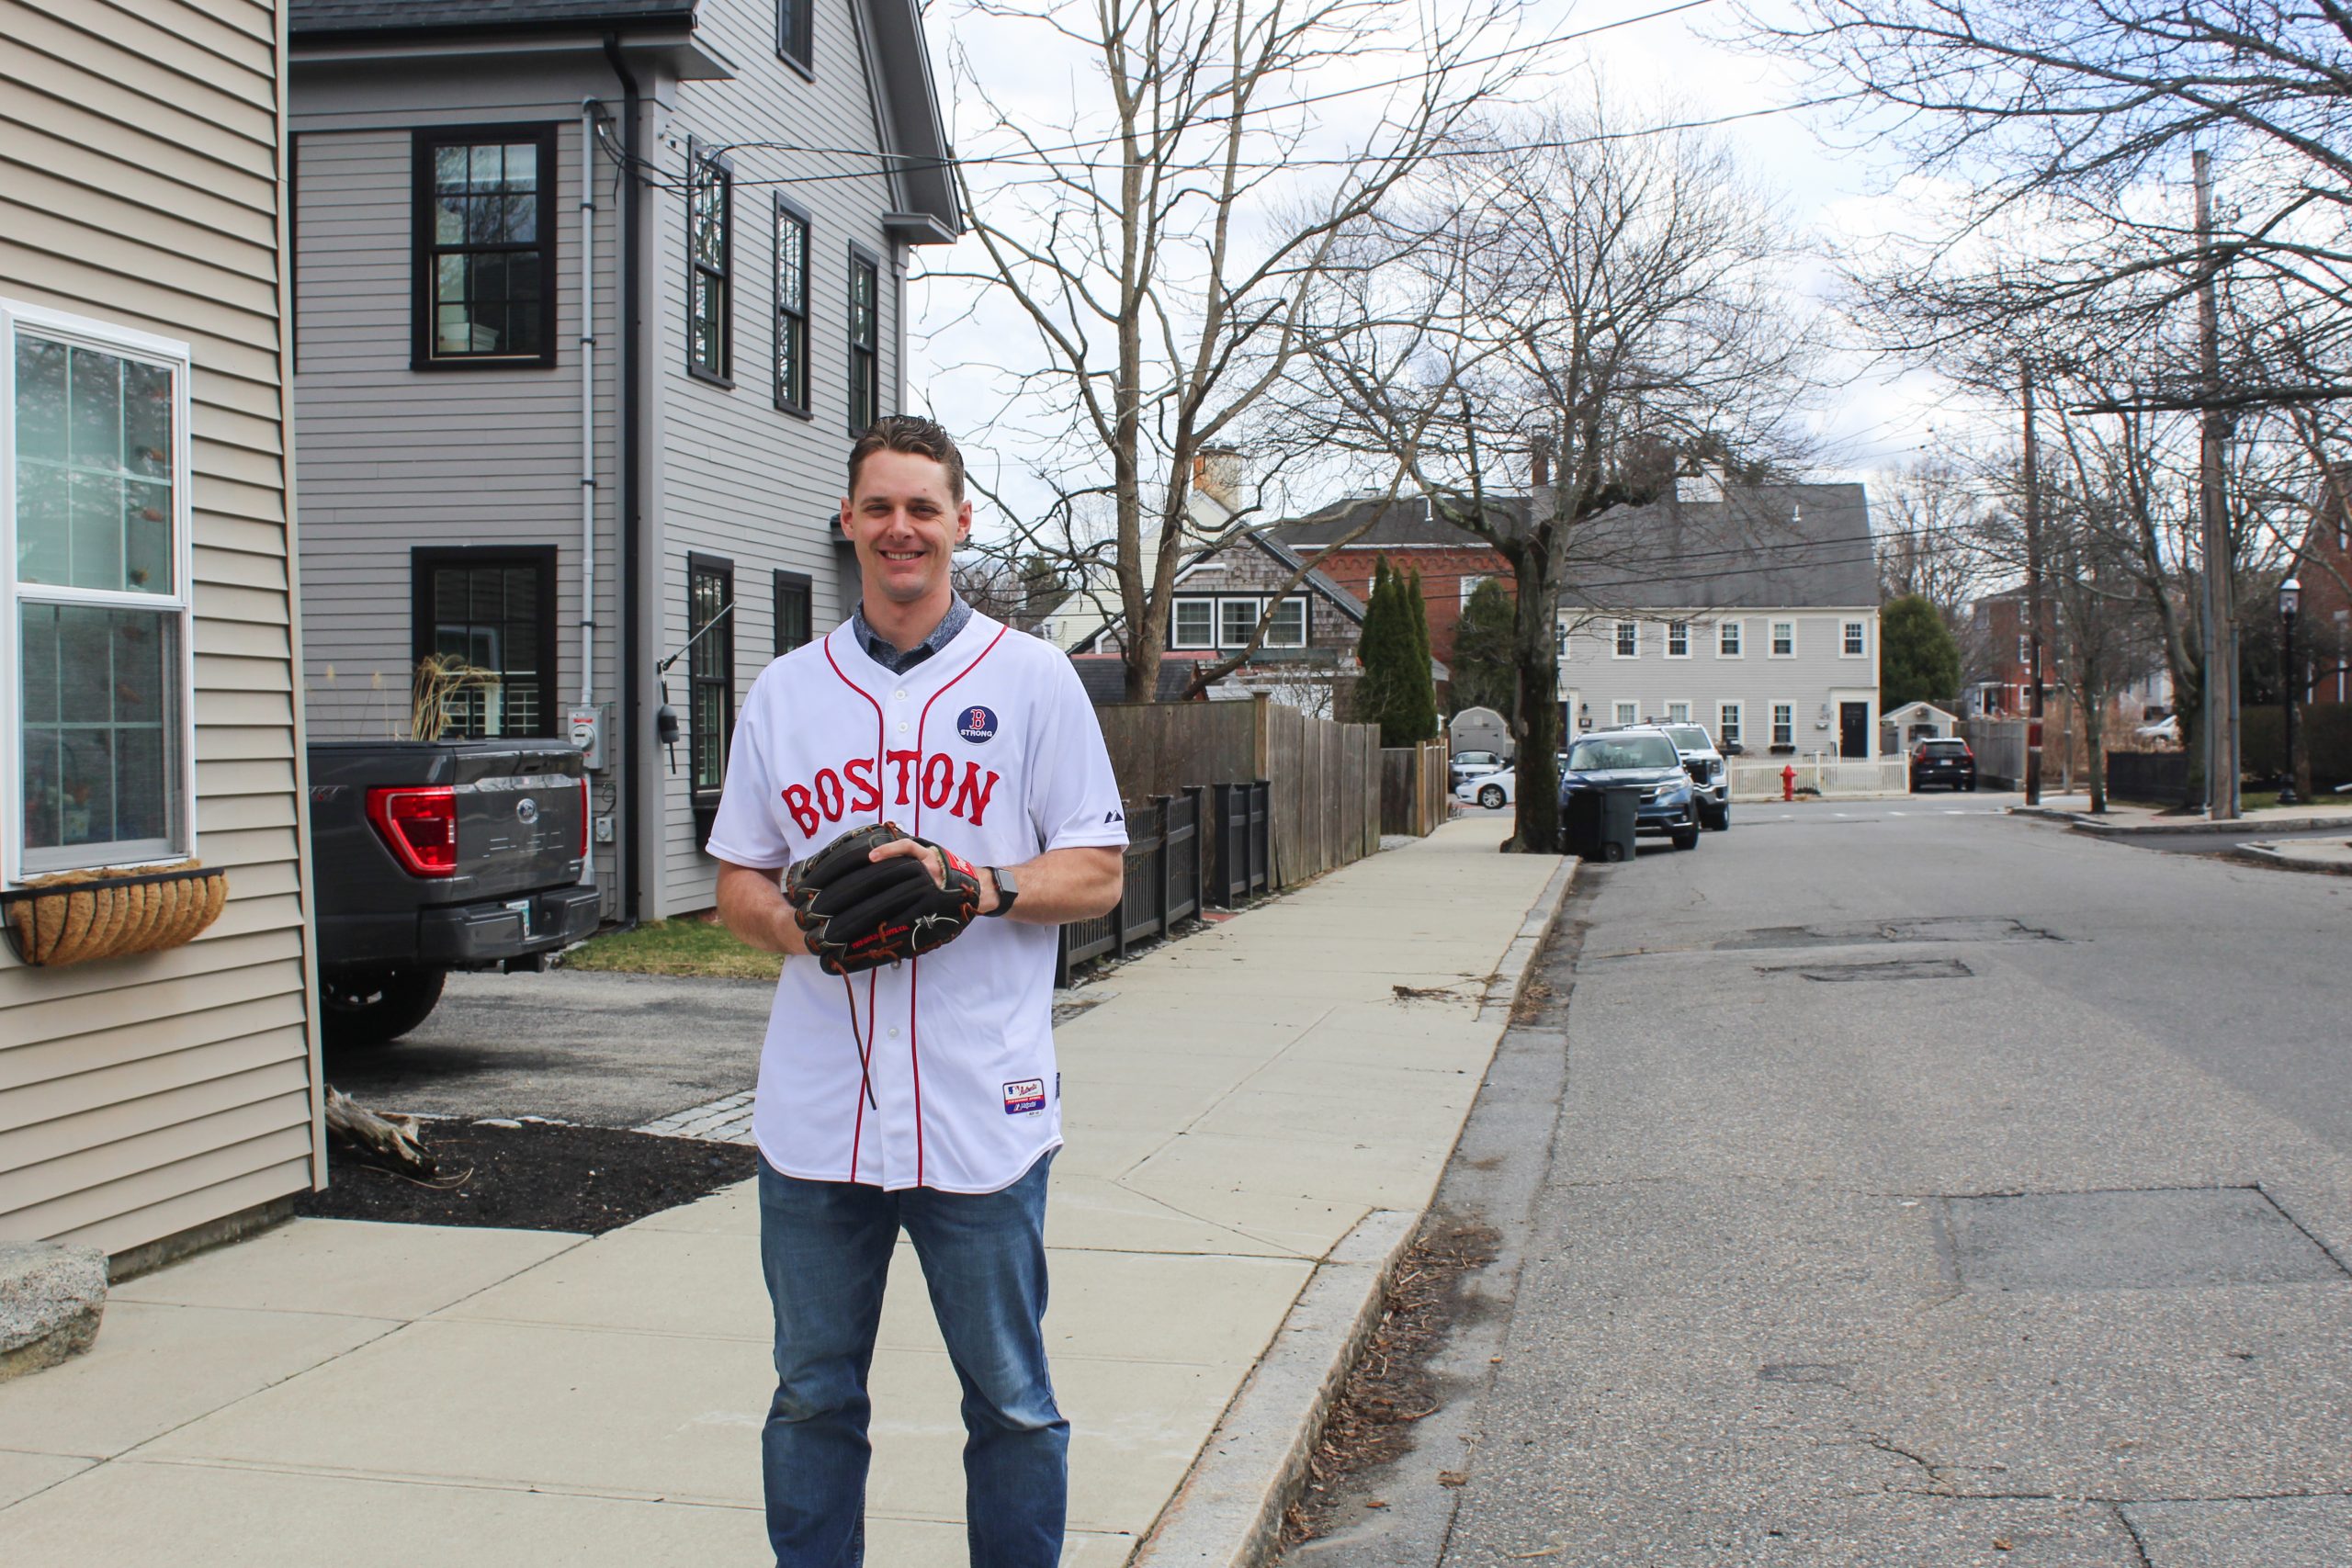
(1677, 713)
(1784, 723)
(1854, 640)
(710, 672)
(1678, 639)
(864, 340)
(1288, 627)
(1728, 717)
(1194, 624)
(791, 308)
(96, 743)
(710, 281)
(488, 611)
(484, 250)
(1628, 714)
(1784, 639)
(1236, 619)
(1629, 639)
(795, 611)
(792, 35)
(1729, 639)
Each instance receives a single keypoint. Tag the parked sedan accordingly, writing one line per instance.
(1946, 762)
(1492, 791)
(1468, 765)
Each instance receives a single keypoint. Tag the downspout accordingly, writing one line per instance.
(588, 422)
(631, 513)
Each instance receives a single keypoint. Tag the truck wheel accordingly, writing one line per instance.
(376, 1009)
(1687, 839)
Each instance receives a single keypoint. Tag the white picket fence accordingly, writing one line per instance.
(1823, 773)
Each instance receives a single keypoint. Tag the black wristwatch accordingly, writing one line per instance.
(1007, 890)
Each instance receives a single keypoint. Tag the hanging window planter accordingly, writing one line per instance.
(85, 915)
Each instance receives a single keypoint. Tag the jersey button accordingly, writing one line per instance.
(894, 1034)
(900, 695)
(902, 727)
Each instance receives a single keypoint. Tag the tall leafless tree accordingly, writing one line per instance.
(1571, 297)
(1157, 244)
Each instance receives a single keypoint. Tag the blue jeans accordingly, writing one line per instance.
(826, 1249)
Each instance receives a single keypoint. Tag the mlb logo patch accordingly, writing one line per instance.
(976, 725)
(1028, 1095)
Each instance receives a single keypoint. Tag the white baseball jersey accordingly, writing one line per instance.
(989, 747)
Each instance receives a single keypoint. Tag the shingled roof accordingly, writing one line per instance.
(1762, 546)
(1393, 524)
(311, 20)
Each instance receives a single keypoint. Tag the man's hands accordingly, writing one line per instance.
(934, 861)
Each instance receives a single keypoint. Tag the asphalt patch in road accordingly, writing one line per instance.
(535, 1176)
(1937, 927)
(1884, 969)
(2137, 1239)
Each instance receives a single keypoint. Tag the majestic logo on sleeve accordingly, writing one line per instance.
(854, 788)
(976, 725)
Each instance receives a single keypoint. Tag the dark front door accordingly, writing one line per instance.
(1853, 730)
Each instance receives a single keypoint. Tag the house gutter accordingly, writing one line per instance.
(588, 422)
(631, 511)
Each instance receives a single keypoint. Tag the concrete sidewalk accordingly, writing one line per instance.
(351, 1393)
(2125, 820)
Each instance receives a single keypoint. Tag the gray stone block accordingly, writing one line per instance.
(50, 1299)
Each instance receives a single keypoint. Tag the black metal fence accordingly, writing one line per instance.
(1174, 865)
(2156, 777)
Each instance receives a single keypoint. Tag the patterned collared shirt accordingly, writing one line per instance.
(886, 653)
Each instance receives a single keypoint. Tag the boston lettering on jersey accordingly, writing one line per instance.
(853, 788)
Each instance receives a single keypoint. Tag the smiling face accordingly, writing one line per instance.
(905, 522)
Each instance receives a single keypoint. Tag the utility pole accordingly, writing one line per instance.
(2032, 595)
(2221, 608)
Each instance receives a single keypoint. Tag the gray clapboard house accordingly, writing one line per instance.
(564, 508)
(1750, 609)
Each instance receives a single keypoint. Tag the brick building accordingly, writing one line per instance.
(1453, 561)
(2323, 627)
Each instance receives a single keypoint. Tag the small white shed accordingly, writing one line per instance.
(1913, 722)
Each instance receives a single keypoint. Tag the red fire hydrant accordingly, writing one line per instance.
(1789, 781)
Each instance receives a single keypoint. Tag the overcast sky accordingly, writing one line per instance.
(1833, 181)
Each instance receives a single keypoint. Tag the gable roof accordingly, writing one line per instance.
(1401, 524)
(907, 99)
(1762, 546)
(1347, 604)
(1104, 676)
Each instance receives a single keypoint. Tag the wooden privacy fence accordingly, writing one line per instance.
(1416, 788)
(1175, 868)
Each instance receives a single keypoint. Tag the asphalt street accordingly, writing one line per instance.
(1905, 1183)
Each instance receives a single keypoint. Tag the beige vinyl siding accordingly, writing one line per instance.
(740, 479)
(392, 458)
(138, 186)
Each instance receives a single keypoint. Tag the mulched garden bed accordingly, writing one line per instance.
(535, 1177)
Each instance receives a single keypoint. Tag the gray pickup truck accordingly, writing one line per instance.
(429, 856)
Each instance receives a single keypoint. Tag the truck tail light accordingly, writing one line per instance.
(583, 819)
(419, 825)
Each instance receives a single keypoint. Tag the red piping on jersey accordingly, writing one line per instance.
(914, 1061)
(866, 1050)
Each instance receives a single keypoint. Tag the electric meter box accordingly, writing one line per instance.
(588, 724)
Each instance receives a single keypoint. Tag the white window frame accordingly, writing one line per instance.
(1731, 724)
(1468, 582)
(1175, 637)
(1257, 607)
(1678, 703)
(1306, 622)
(1731, 640)
(1624, 720)
(1683, 630)
(2025, 651)
(173, 355)
(1773, 730)
(1622, 633)
(1772, 644)
(1560, 641)
(1852, 632)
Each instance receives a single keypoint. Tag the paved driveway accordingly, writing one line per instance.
(607, 1050)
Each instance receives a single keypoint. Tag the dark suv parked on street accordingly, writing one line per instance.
(1642, 759)
(1946, 762)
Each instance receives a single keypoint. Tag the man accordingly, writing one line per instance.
(921, 1095)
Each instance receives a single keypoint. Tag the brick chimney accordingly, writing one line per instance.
(1217, 473)
(1539, 459)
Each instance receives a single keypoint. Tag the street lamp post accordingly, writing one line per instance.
(2290, 594)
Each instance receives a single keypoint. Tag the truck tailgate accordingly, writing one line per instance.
(521, 814)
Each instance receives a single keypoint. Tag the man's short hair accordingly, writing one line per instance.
(916, 436)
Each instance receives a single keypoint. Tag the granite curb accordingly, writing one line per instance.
(1229, 1512)
(2324, 860)
(2083, 823)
